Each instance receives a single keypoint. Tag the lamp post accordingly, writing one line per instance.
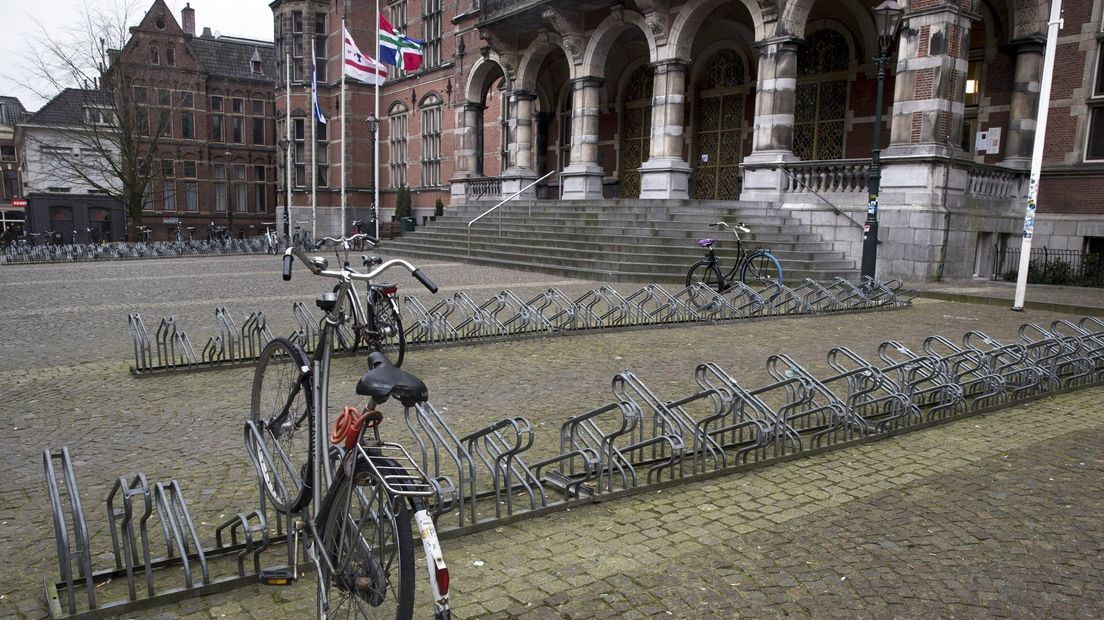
(373, 127)
(887, 18)
(229, 195)
(284, 145)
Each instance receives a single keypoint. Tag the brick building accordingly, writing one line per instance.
(12, 205)
(725, 100)
(205, 105)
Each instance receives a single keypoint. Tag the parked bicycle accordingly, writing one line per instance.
(755, 267)
(271, 241)
(359, 534)
(301, 238)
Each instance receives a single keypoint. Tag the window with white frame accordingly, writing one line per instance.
(220, 187)
(431, 140)
(432, 17)
(396, 143)
(299, 138)
(399, 21)
(241, 196)
(260, 189)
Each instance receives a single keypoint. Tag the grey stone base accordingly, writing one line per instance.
(664, 179)
(515, 179)
(582, 182)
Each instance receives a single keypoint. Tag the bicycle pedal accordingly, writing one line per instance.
(276, 577)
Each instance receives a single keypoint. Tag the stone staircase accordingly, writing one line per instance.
(620, 241)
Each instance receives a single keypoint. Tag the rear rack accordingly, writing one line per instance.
(397, 471)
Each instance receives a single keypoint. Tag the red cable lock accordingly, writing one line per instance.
(347, 425)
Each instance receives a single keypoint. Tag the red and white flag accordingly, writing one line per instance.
(361, 67)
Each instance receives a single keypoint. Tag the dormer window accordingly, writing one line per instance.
(155, 55)
(255, 62)
(97, 116)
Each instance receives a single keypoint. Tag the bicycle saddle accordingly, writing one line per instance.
(383, 380)
(706, 242)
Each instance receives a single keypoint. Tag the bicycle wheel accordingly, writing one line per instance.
(282, 404)
(388, 336)
(367, 538)
(761, 267)
(706, 274)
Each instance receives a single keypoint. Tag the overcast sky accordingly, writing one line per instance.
(18, 30)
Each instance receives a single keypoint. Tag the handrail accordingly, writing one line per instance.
(815, 193)
(504, 201)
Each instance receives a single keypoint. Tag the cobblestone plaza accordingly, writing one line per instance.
(990, 516)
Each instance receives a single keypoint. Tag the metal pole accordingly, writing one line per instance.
(1037, 152)
(287, 151)
(314, 145)
(870, 226)
(375, 135)
(343, 106)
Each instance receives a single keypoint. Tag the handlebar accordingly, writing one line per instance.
(345, 241)
(318, 269)
(739, 226)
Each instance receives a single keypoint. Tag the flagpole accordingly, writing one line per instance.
(314, 146)
(290, 145)
(343, 105)
(375, 135)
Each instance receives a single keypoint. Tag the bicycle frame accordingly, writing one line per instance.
(321, 473)
(711, 257)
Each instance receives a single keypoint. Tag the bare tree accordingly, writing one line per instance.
(111, 143)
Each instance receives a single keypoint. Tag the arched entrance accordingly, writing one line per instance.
(821, 108)
(718, 123)
(636, 130)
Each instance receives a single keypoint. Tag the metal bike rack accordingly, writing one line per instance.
(462, 318)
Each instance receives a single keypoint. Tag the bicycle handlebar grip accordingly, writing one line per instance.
(288, 259)
(426, 282)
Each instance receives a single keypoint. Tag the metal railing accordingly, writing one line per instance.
(502, 202)
(1049, 266)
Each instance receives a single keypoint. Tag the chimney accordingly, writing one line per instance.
(207, 34)
(187, 15)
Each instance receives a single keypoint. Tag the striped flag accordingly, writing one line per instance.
(361, 67)
(398, 49)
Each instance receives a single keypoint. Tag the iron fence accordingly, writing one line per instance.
(1049, 266)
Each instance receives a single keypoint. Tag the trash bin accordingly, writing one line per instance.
(408, 224)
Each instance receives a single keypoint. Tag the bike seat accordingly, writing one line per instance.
(705, 243)
(383, 380)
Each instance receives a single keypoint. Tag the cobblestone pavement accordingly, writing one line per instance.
(996, 515)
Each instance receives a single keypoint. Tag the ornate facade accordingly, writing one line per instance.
(767, 100)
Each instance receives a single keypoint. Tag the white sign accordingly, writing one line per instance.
(981, 141)
(994, 140)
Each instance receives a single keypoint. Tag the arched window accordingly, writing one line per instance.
(155, 55)
(170, 56)
(397, 118)
(821, 107)
(431, 140)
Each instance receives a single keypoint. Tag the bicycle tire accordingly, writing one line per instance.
(282, 401)
(707, 274)
(367, 536)
(387, 336)
(760, 267)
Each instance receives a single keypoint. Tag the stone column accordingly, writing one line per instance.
(1025, 103)
(468, 160)
(775, 102)
(582, 180)
(666, 174)
(520, 145)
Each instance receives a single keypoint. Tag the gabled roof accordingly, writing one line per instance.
(67, 108)
(12, 111)
(232, 57)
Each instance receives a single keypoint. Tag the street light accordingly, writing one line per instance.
(887, 18)
(284, 145)
(373, 127)
(229, 195)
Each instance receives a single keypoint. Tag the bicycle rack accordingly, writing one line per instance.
(174, 349)
(635, 442)
(504, 315)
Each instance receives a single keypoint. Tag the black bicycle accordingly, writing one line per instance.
(755, 267)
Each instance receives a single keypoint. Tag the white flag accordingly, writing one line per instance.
(361, 67)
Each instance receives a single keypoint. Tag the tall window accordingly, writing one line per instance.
(297, 46)
(431, 32)
(821, 108)
(216, 119)
(260, 189)
(396, 142)
(191, 188)
(320, 44)
(1095, 147)
(238, 120)
(322, 154)
(258, 122)
(168, 185)
(187, 125)
(241, 196)
(399, 21)
(155, 55)
(11, 185)
(431, 141)
(170, 56)
(220, 187)
(300, 138)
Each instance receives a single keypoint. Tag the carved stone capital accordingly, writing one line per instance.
(569, 25)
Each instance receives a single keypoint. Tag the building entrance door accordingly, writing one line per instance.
(718, 125)
(636, 131)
